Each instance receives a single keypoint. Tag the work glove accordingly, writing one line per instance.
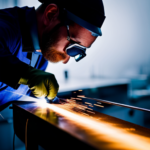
(40, 83)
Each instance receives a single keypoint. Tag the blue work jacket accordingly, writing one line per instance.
(16, 27)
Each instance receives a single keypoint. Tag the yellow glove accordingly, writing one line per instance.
(40, 83)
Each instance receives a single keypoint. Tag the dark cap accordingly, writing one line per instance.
(87, 13)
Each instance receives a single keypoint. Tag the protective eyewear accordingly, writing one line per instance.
(74, 49)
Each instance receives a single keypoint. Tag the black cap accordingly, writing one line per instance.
(87, 13)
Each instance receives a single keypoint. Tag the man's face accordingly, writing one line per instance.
(55, 43)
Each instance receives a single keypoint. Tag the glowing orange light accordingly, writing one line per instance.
(81, 96)
(38, 50)
(88, 103)
(98, 105)
(89, 108)
(119, 137)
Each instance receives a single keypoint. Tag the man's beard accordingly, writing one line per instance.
(49, 39)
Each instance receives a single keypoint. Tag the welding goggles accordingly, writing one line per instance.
(74, 49)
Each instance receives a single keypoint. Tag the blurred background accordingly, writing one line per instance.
(116, 68)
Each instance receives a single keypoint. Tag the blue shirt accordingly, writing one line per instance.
(13, 60)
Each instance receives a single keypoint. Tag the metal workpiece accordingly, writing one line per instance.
(114, 103)
(74, 126)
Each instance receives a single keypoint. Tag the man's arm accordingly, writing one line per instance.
(11, 68)
(14, 71)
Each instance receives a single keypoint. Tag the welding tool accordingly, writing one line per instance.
(55, 100)
(32, 99)
(114, 103)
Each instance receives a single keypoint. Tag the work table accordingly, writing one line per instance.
(56, 126)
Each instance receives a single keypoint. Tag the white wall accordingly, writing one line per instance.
(6, 3)
(124, 48)
(29, 3)
(20, 3)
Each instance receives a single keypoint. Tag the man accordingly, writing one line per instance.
(30, 38)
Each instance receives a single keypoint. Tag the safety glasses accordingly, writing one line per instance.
(74, 49)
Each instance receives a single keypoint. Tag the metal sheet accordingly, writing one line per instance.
(117, 104)
(95, 129)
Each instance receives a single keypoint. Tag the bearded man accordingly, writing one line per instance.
(29, 38)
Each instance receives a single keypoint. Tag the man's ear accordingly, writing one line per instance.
(51, 13)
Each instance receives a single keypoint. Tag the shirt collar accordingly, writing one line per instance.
(32, 24)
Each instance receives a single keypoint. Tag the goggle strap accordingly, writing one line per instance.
(68, 37)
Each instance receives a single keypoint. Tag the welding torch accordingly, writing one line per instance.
(55, 100)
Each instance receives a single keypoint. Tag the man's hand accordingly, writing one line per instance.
(41, 83)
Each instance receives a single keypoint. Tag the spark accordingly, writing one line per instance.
(89, 108)
(73, 98)
(90, 111)
(98, 105)
(78, 98)
(81, 96)
(88, 103)
(85, 114)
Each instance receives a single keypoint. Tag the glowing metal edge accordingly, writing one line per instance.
(117, 104)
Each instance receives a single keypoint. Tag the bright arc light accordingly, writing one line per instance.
(118, 136)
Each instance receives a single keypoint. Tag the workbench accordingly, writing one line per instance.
(53, 127)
